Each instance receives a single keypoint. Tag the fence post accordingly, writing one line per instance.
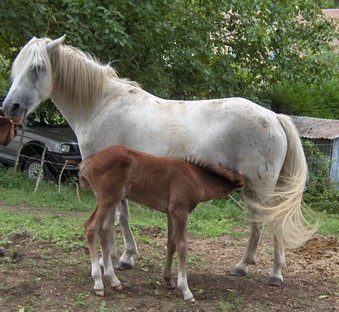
(41, 170)
(17, 159)
(60, 175)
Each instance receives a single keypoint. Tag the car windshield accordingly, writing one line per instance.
(46, 119)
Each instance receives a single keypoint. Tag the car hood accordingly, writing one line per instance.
(66, 133)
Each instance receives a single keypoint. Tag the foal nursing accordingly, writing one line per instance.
(170, 185)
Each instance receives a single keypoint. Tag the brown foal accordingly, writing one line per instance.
(170, 185)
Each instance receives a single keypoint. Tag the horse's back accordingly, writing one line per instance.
(235, 132)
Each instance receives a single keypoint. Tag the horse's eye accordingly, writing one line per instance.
(40, 68)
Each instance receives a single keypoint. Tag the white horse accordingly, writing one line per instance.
(105, 110)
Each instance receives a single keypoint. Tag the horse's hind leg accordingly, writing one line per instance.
(130, 248)
(241, 268)
(275, 277)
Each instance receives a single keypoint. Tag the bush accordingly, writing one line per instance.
(304, 99)
(321, 194)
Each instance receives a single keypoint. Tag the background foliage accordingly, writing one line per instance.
(177, 49)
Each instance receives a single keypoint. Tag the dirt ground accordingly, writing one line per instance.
(38, 276)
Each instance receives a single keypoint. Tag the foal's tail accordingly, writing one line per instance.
(83, 178)
(286, 219)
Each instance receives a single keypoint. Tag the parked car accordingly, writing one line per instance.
(38, 132)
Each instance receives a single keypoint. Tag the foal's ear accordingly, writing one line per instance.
(55, 43)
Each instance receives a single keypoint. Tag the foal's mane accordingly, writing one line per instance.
(218, 170)
(78, 76)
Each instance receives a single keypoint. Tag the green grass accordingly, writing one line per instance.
(66, 232)
(212, 218)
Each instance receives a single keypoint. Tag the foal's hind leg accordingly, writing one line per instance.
(130, 248)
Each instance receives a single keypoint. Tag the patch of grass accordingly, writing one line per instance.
(16, 189)
(329, 224)
(104, 308)
(211, 218)
(65, 231)
(232, 303)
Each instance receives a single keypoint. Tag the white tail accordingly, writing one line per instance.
(282, 207)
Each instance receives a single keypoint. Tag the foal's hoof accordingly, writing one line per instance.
(123, 266)
(275, 281)
(100, 293)
(238, 272)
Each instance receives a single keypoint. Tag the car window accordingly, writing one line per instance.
(46, 119)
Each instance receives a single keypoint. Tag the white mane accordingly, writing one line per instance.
(78, 76)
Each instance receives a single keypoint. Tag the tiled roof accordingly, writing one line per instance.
(316, 128)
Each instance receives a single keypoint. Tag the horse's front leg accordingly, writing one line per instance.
(170, 253)
(275, 277)
(241, 268)
(130, 248)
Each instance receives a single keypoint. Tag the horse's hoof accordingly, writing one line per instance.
(238, 272)
(100, 293)
(275, 281)
(119, 287)
(2, 251)
(123, 266)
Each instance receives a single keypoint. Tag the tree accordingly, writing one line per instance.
(184, 49)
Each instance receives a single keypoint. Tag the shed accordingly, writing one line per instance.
(325, 135)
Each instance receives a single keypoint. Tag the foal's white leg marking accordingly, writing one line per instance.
(96, 270)
(97, 277)
(241, 268)
(183, 285)
(109, 271)
(180, 234)
(130, 248)
(275, 277)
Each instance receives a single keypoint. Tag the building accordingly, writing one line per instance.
(325, 135)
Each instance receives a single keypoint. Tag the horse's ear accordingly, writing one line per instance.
(55, 43)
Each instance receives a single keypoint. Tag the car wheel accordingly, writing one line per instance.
(32, 167)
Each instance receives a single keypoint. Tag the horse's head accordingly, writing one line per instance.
(32, 79)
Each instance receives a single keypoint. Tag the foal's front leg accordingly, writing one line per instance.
(179, 219)
(170, 253)
(126, 261)
(96, 270)
(107, 239)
